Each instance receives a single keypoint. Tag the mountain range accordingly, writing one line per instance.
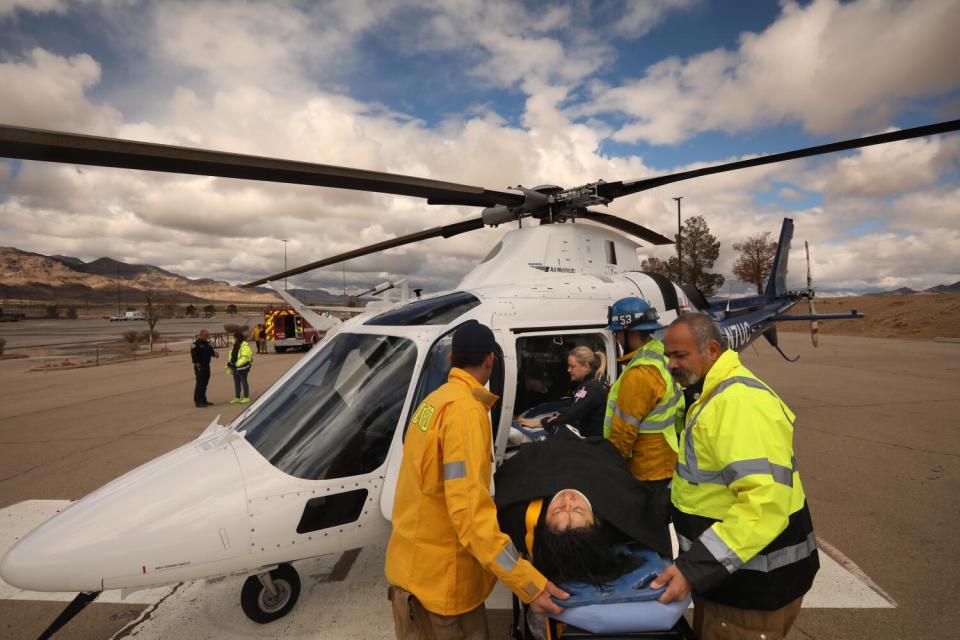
(34, 276)
(902, 291)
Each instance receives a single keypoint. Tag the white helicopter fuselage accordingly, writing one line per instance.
(310, 467)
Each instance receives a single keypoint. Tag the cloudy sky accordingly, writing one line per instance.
(491, 94)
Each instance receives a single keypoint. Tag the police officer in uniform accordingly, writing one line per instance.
(645, 405)
(446, 550)
(200, 353)
(748, 550)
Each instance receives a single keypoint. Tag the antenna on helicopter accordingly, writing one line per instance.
(814, 324)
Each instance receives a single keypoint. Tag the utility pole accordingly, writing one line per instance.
(119, 312)
(679, 252)
(284, 262)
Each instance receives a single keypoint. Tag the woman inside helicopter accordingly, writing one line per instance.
(585, 406)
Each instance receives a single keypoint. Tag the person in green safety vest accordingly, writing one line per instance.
(645, 404)
(747, 547)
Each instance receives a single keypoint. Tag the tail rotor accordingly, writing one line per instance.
(814, 324)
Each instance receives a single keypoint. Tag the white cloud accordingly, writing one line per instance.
(642, 15)
(10, 7)
(831, 67)
(889, 169)
(259, 93)
(52, 90)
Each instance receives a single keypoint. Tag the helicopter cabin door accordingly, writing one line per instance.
(542, 382)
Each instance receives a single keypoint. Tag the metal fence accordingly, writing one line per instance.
(95, 355)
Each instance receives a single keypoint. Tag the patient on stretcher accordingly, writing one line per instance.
(574, 508)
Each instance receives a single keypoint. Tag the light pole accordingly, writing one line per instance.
(679, 252)
(284, 262)
(119, 312)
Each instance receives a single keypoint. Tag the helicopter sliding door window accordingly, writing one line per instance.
(542, 366)
(336, 417)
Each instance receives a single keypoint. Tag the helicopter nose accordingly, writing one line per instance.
(185, 508)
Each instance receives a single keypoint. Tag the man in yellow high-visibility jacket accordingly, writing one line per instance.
(748, 550)
(446, 550)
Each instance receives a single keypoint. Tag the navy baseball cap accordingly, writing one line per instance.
(473, 337)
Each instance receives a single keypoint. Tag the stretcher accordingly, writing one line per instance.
(625, 608)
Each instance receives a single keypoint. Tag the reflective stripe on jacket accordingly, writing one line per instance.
(740, 511)
(627, 430)
(446, 547)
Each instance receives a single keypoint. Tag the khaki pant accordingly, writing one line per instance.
(413, 622)
(713, 621)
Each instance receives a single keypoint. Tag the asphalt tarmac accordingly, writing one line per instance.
(877, 442)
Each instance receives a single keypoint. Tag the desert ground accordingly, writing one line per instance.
(877, 439)
(921, 316)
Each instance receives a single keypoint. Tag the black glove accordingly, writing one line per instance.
(232, 365)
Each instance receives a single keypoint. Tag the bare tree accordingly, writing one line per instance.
(153, 310)
(755, 260)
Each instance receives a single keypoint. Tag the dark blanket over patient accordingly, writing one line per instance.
(593, 467)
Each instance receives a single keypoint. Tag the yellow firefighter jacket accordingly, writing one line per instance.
(447, 548)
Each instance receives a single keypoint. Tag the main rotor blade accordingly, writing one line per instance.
(72, 148)
(446, 231)
(617, 189)
(626, 226)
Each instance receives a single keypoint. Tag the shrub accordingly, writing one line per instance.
(131, 336)
(144, 336)
(52, 310)
(71, 313)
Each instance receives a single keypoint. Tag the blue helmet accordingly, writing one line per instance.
(633, 314)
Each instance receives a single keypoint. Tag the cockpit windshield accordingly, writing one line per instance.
(335, 417)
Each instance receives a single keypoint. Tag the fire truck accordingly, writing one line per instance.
(287, 329)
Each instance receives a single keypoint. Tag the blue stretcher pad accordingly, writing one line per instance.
(625, 605)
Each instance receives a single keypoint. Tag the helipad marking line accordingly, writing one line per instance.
(838, 556)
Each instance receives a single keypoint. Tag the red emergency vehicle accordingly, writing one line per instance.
(288, 330)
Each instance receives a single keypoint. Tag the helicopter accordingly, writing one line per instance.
(310, 467)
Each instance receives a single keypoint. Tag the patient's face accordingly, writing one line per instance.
(569, 509)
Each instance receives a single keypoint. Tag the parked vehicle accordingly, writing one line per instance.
(287, 329)
(129, 315)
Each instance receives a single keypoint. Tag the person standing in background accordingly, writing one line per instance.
(200, 353)
(241, 359)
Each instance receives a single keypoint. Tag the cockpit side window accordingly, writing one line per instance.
(439, 310)
(336, 416)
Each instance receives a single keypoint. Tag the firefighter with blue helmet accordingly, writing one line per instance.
(645, 403)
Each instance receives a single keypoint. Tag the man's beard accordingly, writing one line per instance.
(684, 377)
